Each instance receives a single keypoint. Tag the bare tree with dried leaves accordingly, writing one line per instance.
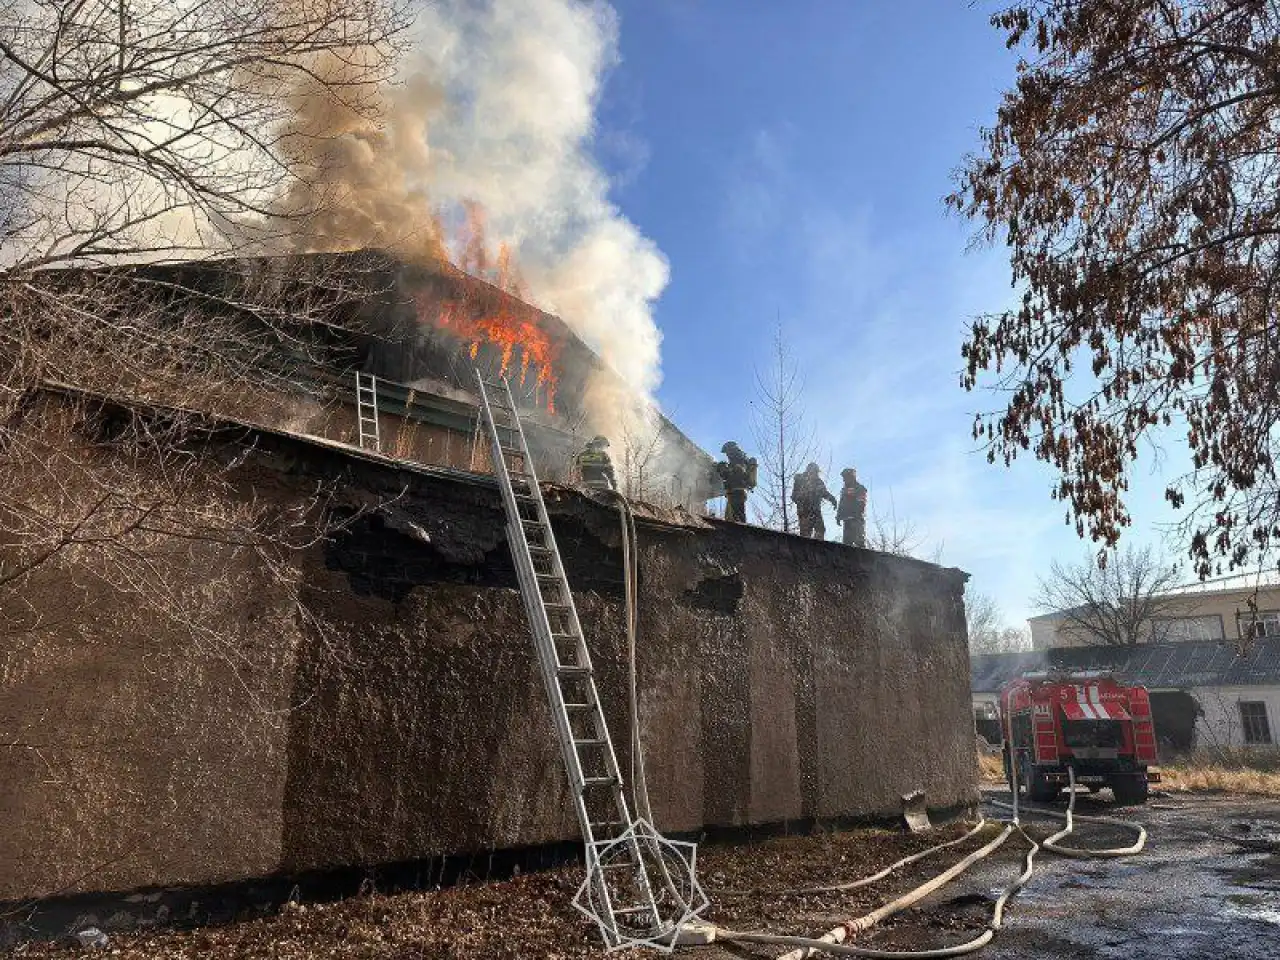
(135, 132)
(1133, 174)
(1128, 601)
(152, 128)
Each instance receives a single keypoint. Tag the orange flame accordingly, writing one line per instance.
(498, 321)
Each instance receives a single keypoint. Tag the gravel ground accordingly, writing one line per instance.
(1209, 884)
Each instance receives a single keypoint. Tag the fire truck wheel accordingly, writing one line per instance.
(1130, 790)
(1042, 791)
(1039, 790)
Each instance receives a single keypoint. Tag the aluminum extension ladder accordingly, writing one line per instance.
(590, 761)
(367, 411)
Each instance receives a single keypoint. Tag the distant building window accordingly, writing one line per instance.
(1265, 623)
(1253, 716)
(1188, 629)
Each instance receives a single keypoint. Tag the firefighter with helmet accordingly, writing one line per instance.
(852, 511)
(594, 465)
(738, 474)
(807, 493)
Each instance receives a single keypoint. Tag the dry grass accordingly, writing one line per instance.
(1256, 774)
(990, 769)
(1251, 773)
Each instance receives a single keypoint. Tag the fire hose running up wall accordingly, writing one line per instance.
(833, 942)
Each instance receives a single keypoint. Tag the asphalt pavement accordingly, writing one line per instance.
(1207, 885)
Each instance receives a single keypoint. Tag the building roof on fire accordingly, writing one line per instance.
(1153, 665)
(421, 326)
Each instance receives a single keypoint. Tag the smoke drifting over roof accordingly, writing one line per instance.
(496, 112)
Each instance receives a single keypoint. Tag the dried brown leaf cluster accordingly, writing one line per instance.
(531, 916)
(1132, 172)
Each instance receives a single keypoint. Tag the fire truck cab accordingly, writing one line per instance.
(1085, 721)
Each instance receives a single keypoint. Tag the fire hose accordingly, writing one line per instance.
(631, 589)
(833, 941)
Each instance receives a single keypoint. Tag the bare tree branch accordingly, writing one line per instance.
(1121, 600)
(988, 633)
(782, 434)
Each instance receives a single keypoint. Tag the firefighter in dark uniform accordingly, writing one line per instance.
(852, 510)
(595, 466)
(807, 493)
(738, 474)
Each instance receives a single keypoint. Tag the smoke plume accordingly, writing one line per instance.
(497, 109)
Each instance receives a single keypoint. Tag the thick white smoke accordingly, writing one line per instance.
(522, 80)
(498, 107)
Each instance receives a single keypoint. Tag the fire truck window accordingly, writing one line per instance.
(1092, 733)
(1253, 716)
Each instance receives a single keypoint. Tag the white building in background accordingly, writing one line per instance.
(1215, 610)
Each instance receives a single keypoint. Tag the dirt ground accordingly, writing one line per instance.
(1208, 884)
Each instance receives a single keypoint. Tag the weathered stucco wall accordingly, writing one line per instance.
(398, 714)
(142, 737)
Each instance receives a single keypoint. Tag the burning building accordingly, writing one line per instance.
(422, 330)
(189, 711)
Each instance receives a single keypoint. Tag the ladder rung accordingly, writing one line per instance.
(608, 824)
(578, 706)
(599, 782)
(572, 670)
(636, 909)
(592, 742)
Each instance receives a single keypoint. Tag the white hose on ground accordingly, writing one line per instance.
(1070, 817)
(852, 884)
(833, 941)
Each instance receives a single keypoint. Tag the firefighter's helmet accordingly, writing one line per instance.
(598, 442)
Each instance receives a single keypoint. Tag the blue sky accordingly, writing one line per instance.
(791, 159)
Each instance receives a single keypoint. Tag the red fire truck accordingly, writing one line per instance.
(1086, 721)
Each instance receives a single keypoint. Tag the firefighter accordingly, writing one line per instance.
(852, 510)
(738, 474)
(807, 493)
(595, 466)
